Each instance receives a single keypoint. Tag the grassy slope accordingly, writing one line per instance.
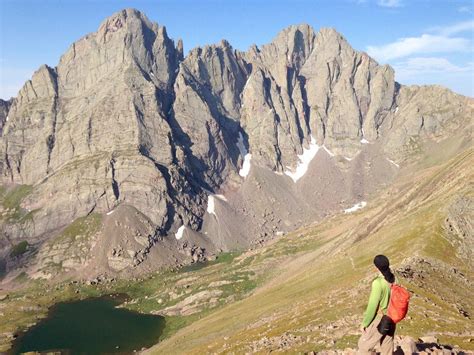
(317, 296)
(306, 291)
(10, 200)
(24, 307)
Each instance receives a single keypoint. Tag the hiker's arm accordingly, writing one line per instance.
(374, 299)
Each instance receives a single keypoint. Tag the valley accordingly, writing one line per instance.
(306, 291)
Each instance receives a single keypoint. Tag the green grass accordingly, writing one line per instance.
(21, 278)
(20, 216)
(223, 258)
(19, 249)
(307, 284)
(439, 247)
(82, 226)
(12, 199)
(316, 276)
(74, 241)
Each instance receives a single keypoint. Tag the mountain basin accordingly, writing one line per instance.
(91, 326)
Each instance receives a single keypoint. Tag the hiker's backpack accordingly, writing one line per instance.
(398, 305)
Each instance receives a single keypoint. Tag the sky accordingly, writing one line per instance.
(425, 41)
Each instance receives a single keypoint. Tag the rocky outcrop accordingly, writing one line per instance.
(26, 157)
(125, 119)
(206, 112)
(348, 92)
(425, 113)
(459, 224)
(275, 93)
(98, 117)
(4, 108)
(407, 345)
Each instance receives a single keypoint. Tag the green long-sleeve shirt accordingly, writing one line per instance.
(379, 297)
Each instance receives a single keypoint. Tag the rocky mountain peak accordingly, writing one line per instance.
(297, 42)
(124, 119)
(180, 49)
(42, 85)
(289, 49)
(127, 19)
(128, 157)
(124, 40)
(330, 34)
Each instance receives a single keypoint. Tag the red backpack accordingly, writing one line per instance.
(398, 305)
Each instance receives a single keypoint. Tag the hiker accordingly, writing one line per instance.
(378, 303)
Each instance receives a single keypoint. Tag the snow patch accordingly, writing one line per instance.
(244, 171)
(305, 159)
(179, 233)
(152, 74)
(363, 140)
(7, 119)
(391, 161)
(356, 207)
(110, 212)
(328, 151)
(348, 159)
(396, 109)
(246, 165)
(211, 207)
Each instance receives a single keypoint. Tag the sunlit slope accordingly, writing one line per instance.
(316, 291)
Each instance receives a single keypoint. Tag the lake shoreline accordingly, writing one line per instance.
(92, 325)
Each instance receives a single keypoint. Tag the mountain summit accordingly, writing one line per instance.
(128, 156)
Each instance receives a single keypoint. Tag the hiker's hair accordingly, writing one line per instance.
(388, 275)
(381, 262)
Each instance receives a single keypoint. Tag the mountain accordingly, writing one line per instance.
(128, 156)
(305, 291)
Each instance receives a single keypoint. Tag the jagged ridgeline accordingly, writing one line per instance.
(128, 156)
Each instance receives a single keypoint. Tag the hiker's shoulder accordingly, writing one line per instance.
(377, 281)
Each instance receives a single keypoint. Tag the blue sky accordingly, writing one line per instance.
(426, 41)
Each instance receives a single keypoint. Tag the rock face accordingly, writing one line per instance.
(460, 225)
(4, 108)
(125, 119)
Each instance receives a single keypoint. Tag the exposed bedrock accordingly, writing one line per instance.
(284, 134)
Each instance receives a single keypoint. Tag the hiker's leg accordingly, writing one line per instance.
(369, 338)
(386, 347)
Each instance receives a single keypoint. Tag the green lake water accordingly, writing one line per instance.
(91, 326)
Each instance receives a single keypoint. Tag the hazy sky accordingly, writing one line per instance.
(427, 42)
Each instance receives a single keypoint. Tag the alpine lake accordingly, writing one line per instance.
(91, 326)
